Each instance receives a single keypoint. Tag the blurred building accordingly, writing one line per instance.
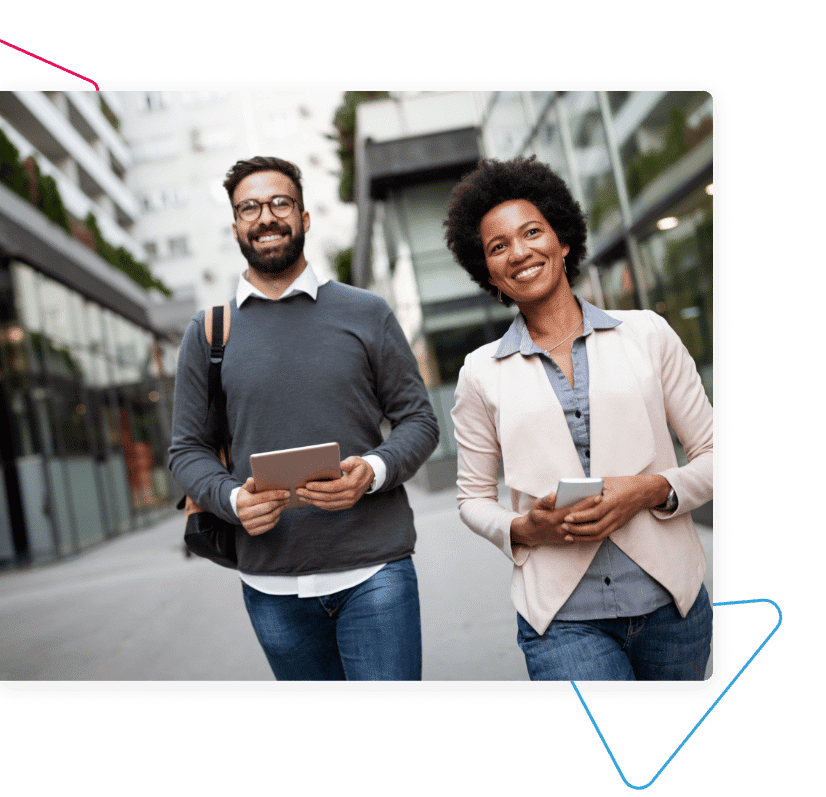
(86, 374)
(640, 164)
(183, 143)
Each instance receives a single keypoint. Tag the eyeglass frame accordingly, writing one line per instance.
(294, 203)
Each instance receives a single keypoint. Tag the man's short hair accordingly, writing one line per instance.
(494, 182)
(260, 163)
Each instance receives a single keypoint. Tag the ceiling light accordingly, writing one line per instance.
(668, 223)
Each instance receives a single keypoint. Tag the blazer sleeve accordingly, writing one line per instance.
(478, 458)
(689, 414)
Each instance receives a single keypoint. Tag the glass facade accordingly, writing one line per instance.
(87, 396)
(640, 163)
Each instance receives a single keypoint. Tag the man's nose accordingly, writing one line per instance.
(266, 210)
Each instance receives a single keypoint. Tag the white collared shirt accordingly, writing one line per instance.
(314, 584)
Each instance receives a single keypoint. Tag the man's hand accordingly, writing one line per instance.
(259, 512)
(340, 493)
(545, 525)
(622, 498)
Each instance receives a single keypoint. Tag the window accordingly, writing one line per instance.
(179, 246)
(156, 149)
(155, 101)
(203, 140)
(162, 198)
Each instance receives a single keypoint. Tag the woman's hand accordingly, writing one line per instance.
(544, 525)
(622, 497)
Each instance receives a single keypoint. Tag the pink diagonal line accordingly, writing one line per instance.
(51, 63)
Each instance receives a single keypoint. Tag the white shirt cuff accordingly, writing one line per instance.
(233, 499)
(379, 471)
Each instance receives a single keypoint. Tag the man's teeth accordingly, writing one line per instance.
(270, 237)
(528, 272)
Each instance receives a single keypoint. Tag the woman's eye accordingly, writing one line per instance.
(533, 230)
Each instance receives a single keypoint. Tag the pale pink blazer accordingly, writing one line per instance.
(642, 379)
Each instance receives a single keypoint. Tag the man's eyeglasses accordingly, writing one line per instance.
(250, 209)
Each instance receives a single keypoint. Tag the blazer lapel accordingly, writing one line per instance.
(622, 440)
(537, 449)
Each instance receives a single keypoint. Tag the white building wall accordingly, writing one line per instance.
(417, 114)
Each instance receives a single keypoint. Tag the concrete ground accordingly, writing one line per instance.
(137, 609)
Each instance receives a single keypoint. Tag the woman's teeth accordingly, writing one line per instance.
(528, 272)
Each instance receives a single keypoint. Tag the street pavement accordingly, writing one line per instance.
(136, 609)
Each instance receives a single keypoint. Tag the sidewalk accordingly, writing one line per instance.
(137, 609)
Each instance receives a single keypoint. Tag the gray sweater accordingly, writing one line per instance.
(299, 372)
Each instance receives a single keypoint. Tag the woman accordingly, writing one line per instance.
(610, 588)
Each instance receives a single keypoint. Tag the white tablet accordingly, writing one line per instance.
(294, 467)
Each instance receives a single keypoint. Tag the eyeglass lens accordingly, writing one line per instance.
(279, 206)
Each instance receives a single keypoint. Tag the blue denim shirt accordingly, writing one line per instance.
(614, 585)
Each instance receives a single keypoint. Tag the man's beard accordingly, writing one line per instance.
(278, 261)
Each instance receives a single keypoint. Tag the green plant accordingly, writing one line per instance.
(123, 260)
(46, 196)
(12, 173)
(343, 265)
(605, 200)
(679, 139)
(110, 115)
(344, 121)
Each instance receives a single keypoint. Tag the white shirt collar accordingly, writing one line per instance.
(306, 282)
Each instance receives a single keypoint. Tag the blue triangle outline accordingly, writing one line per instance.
(702, 719)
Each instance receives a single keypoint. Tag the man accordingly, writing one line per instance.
(330, 587)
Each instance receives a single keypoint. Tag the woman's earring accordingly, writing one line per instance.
(499, 294)
(564, 266)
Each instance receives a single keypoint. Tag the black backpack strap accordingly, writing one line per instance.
(217, 335)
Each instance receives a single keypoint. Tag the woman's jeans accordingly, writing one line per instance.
(370, 632)
(659, 646)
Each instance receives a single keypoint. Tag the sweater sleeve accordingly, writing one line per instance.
(404, 401)
(193, 460)
(690, 415)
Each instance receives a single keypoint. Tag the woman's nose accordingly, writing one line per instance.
(518, 250)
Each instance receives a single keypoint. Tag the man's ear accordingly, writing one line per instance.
(305, 218)
(234, 231)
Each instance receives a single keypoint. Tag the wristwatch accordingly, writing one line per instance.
(670, 503)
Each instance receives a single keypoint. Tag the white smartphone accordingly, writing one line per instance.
(571, 491)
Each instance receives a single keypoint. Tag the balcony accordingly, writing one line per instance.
(52, 134)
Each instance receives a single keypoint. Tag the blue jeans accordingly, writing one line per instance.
(370, 632)
(660, 646)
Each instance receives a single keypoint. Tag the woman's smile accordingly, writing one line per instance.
(527, 273)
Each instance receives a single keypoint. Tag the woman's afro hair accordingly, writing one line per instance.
(494, 182)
